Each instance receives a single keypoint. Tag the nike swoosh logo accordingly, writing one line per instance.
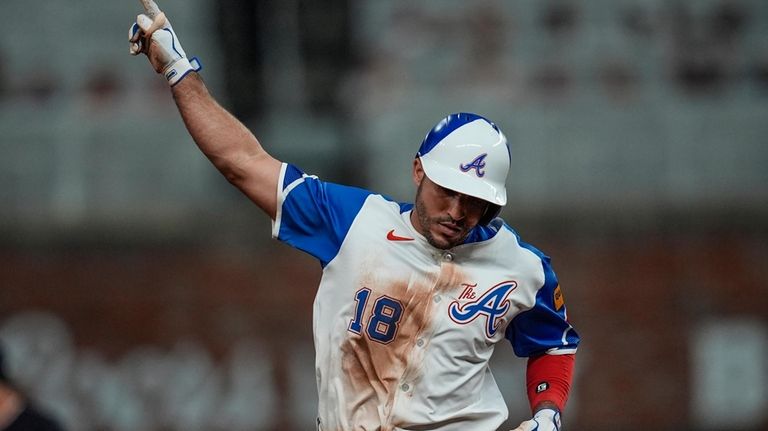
(392, 237)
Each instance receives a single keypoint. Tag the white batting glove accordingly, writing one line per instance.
(156, 38)
(543, 420)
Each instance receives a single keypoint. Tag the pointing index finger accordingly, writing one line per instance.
(151, 8)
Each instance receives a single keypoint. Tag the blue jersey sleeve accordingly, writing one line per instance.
(545, 327)
(315, 216)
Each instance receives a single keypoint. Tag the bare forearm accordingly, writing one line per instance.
(227, 143)
(220, 136)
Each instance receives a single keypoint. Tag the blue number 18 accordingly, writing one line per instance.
(382, 325)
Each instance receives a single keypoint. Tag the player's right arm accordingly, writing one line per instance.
(227, 143)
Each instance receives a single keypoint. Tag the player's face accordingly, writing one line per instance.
(443, 216)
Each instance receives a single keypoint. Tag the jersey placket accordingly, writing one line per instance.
(409, 379)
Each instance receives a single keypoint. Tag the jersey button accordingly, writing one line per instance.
(405, 387)
(437, 299)
(420, 342)
(448, 256)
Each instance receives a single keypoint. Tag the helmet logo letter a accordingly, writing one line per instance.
(478, 164)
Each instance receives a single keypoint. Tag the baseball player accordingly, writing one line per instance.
(413, 298)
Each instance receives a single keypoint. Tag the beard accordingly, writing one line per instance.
(427, 222)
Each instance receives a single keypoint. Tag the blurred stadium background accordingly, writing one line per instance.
(139, 291)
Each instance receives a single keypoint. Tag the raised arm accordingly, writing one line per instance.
(227, 143)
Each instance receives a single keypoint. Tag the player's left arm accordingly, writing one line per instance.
(548, 380)
(544, 335)
(548, 383)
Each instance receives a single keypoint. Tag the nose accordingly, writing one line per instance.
(457, 208)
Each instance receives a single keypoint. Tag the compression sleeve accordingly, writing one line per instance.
(548, 378)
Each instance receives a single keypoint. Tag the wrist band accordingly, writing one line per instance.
(181, 68)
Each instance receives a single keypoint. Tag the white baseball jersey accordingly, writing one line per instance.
(404, 331)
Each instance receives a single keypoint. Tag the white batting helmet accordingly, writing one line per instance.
(469, 154)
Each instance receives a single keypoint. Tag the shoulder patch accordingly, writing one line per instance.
(558, 298)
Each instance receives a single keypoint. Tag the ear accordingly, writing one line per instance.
(418, 172)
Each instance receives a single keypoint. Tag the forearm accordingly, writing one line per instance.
(227, 143)
(549, 381)
(219, 135)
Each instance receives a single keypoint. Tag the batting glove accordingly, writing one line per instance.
(156, 38)
(543, 420)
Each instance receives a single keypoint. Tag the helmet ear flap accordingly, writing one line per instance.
(491, 213)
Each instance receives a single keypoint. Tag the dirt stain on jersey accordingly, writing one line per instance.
(449, 278)
(374, 370)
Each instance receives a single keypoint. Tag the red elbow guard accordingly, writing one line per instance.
(549, 378)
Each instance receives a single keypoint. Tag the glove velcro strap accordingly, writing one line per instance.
(181, 68)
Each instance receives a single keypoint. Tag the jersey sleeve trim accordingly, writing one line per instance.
(567, 347)
(562, 350)
(279, 201)
(290, 178)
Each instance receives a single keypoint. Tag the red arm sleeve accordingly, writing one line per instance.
(548, 378)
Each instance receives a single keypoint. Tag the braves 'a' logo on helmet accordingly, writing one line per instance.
(492, 305)
(478, 164)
